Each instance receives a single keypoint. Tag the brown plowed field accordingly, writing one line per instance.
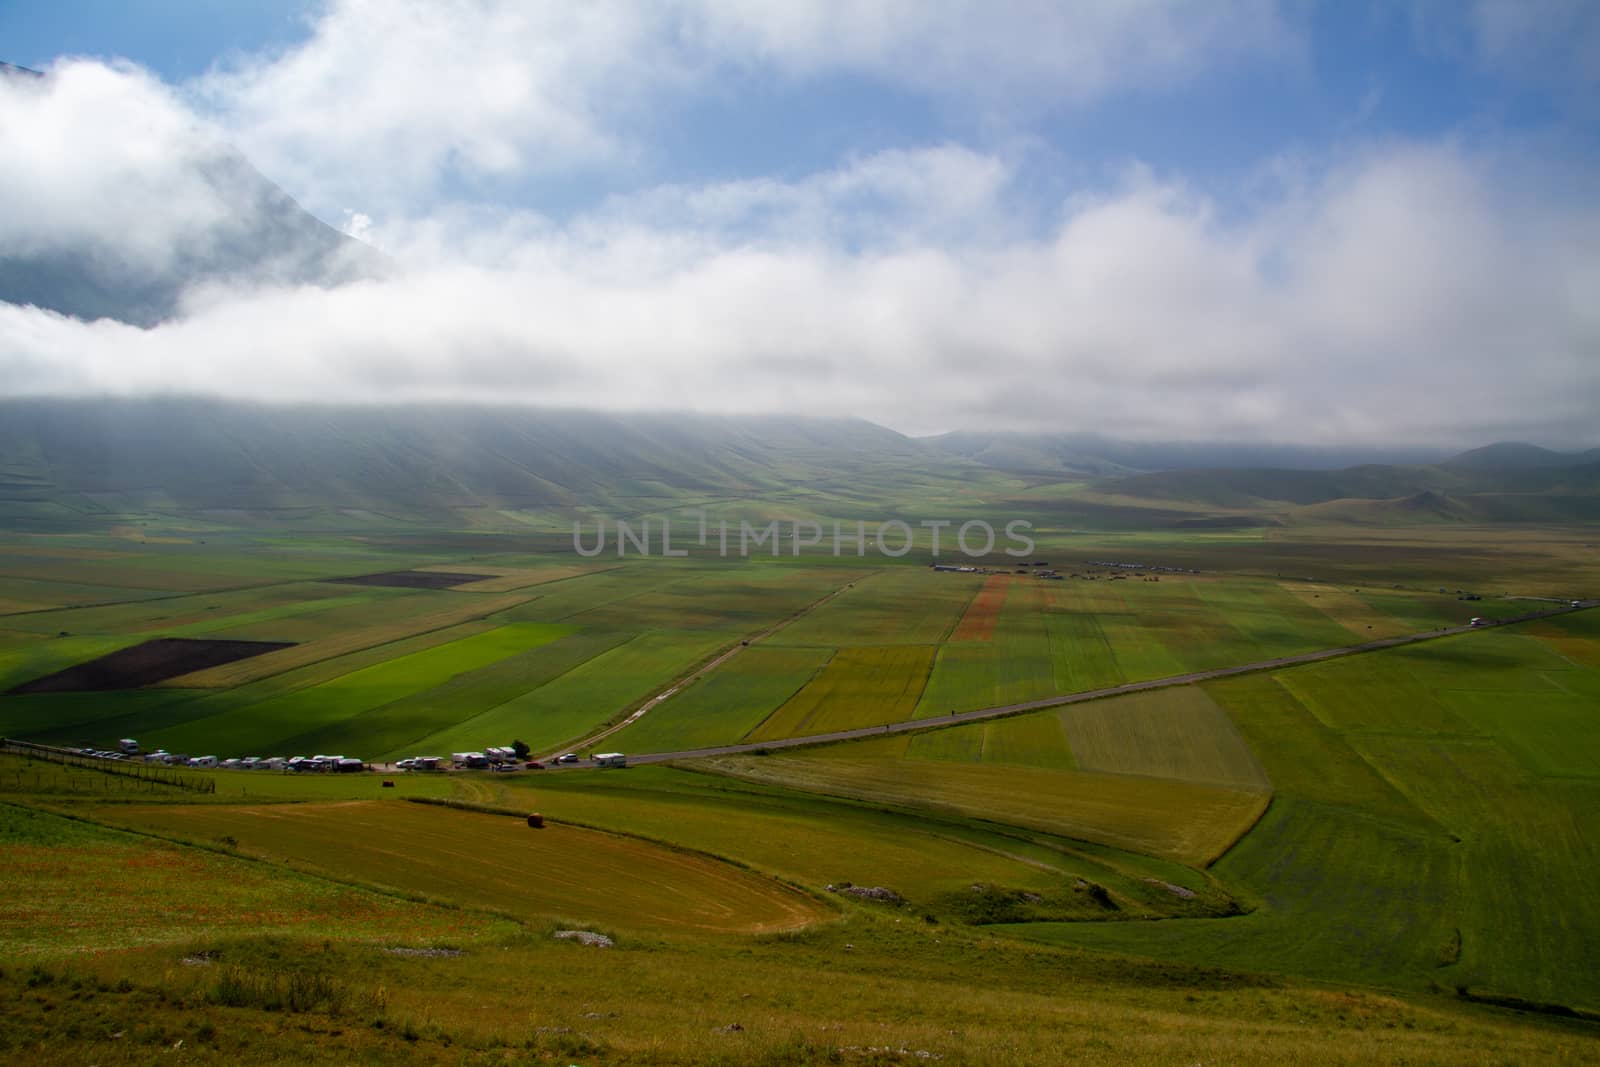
(152, 661)
(414, 579)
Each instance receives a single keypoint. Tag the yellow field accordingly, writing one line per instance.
(1348, 610)
(339, 644)
(507, 579)
(1181, 821)
(1173, 733)
(858, 687)
(69, 888)
(497, 862)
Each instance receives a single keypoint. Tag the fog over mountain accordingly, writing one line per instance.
(1409, 290)
(88, 459)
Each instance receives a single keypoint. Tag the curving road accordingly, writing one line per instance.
(1002, 710)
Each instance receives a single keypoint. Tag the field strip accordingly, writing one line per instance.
(1003, 710)
(324, 648)
(983, 610)
(707, 668)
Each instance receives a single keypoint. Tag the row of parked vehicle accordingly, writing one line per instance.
(490, 759)
(128, 751)
(493, 759)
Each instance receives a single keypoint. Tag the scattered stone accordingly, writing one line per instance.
(863, 892)
(1175, 890)
(431, 953)
(888, 1050)
(199, 959)
(731, 1028)
(585, 937)
(599, 1015)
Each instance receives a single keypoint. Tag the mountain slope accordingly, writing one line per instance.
(196, 455)
(223, 224)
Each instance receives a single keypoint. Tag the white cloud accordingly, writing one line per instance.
(106, 160)
(388, 98)
(1408, 292)
(1403, 296)
(388, 101)
(891, 198)
(1548, 42)
(1033, 52)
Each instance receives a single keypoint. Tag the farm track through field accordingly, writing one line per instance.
(704, 669)
(1003, 710)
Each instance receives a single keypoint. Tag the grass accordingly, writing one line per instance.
(152, 892)
(464, 609)
(1422, 831)
(899, 605)
(33, 657)
(498, 863)
(1172, 733)
(1174, 820)
(727, 704)
(579, 701)
(748, 597)
(1348, 610)
(311, 716)
(1432, 824)
(833, 996)
(819, 840)
(199, 614)
(858, 687)
(977, 624)
(97, 719)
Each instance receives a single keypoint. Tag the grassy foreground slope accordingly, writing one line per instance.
(69, 887)
(453, 986)
(495, 862)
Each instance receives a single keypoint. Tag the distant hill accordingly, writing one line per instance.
(1054, 455)
(410, 462)
(265, 238)
(1499, 483)
(1078, 454)
(66, 462)
(1516, 456)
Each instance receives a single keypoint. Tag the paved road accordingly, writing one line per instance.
(1002, 710)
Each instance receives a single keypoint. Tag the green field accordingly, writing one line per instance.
(497, 863)
(1409, 843)
(1341, 854)
(728, 704)
(858, 687)
(896, 605)
(1166, 818)
(586, 696)
(314, 717)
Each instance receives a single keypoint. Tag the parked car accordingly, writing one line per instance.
(569, 757)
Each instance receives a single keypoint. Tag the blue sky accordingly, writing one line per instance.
(1211, 202)
(1351, 70)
